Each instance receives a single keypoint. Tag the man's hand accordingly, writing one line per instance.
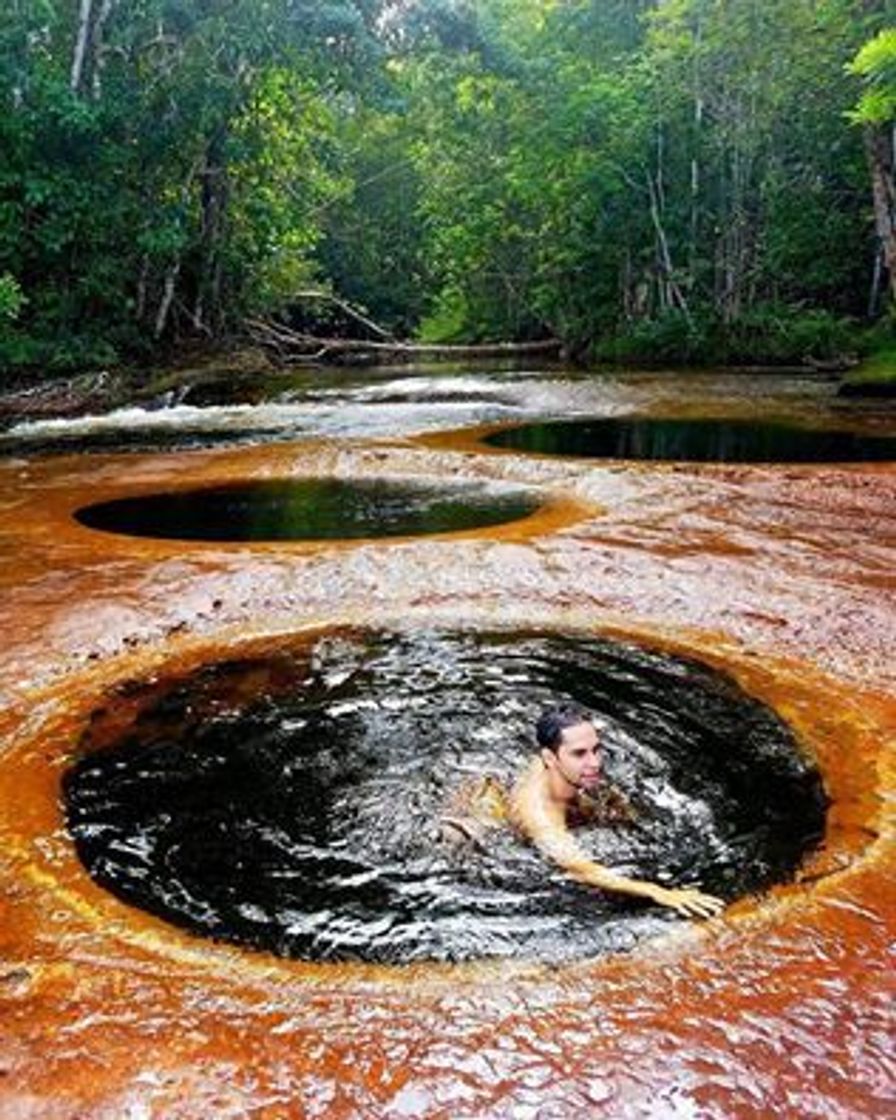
(689, 903)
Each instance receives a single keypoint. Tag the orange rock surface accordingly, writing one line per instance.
(783, 576)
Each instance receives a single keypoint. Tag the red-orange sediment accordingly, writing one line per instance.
(780, 575)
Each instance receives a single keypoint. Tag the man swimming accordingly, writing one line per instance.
(558, 788)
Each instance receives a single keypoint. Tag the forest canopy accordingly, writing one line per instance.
(669, 180)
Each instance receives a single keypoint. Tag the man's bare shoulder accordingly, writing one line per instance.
(527, 784)
(531, 807)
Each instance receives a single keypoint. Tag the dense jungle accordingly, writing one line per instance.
(682, 181)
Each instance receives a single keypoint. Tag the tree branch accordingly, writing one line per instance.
(349, 310)
(296, 346)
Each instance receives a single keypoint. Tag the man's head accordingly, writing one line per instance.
(569, 746)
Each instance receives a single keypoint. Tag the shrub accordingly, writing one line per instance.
(12, 298)
(771, 335)
(449, 321)
(670, 338)
(768, 334)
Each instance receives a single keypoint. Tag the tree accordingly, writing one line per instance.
(875, 64)
(594, 170)
(593, 167)
(166, 163)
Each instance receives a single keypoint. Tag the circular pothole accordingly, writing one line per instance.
(706, 440)
(310, 509)
(292, 802)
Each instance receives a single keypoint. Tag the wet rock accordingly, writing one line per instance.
(73, 396)
(13, 978)
(170, 398)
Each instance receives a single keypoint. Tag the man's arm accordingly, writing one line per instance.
(554, 840)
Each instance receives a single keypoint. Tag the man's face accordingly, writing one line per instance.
(579, 755)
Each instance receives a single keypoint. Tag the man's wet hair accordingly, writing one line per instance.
(554, 721)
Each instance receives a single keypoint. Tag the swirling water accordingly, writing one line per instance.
(293, 803)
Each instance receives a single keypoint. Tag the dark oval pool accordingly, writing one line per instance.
(292, 802)
(310, 509)
(717, 441)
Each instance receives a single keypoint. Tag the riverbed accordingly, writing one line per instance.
(777, 574)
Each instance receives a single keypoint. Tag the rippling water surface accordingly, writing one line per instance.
(294, 803)
(263, 407)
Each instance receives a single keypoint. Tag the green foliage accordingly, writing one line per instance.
(767, 334)
(669, 339)
(637, 170)
(644, 180)
(372, 248)
(875, 63)
(172, 175)
(449, 321)
(877, 373)
(69, 354)
(12, 298)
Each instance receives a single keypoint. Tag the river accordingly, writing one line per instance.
(779, 575)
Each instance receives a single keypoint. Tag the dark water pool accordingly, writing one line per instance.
(291, 803)
(310, 509)
(723, 441)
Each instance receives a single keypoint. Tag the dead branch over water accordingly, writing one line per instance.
(294, 346)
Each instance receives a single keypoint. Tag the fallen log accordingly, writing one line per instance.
(296, 346)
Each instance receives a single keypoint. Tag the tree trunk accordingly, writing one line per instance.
(213, 202)
(696, 177)
(671, 294)
(877, 276)
(879, 146)
(88, 49)
(349, 310)
(142, 279)
(166, 300)
(97, 45)
(292, 345)
(82, 39)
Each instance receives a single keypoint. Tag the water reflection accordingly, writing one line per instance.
(707, 440)
(291, 803)
(310, 509)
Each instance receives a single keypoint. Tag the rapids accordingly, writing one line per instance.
(777, 576)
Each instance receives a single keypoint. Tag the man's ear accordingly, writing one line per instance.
(548, 757)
